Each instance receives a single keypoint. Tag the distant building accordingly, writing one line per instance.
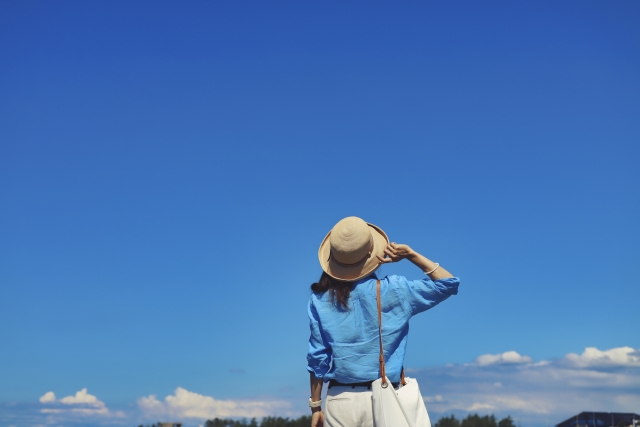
(170, 425)
(602, 419)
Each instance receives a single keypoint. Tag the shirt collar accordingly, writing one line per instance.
(371, 276)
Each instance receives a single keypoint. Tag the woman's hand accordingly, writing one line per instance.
(317, 419)
(394, 252)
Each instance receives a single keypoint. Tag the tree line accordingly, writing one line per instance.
(303, 421)
(471, 420)
(475, 420)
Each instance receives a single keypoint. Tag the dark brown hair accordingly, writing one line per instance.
(339, 291)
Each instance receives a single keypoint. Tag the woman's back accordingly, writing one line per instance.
(344, 342)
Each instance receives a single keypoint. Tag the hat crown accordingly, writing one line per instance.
(350, 240)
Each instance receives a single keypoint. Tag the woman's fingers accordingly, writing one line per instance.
(317, 419)
(388, 257)
(392, 254)
(392, 251)
(384, 260)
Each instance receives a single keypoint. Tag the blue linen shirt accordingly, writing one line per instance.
(344, 343)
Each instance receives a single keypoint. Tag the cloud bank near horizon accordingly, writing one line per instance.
(540, 393)
(86, 409)
(187, 404)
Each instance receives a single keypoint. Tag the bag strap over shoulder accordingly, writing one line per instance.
(382, 365)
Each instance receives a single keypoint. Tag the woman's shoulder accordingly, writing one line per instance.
(394, 280)
(318, 296)
(368, 286)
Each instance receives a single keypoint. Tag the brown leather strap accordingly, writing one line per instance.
(382, 366)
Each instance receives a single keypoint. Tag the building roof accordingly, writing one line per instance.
(600, 419)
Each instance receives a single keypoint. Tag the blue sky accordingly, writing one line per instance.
(167, 172)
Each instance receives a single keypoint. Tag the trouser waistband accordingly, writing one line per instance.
(334, 383)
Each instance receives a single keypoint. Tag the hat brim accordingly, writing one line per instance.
(349, 273)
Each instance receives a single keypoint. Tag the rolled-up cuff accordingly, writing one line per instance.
(319, 374)
(448, 285)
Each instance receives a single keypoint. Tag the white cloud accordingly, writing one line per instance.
(82, 397)
(592, 357)
(187, 404)
(479, 406)
(506, 357)
(82, 403)
(48, 397)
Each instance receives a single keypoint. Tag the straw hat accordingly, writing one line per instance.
(349, 251)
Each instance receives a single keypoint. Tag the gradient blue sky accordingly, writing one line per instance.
(168, 169)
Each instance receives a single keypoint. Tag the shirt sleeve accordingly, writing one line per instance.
(421, 295)
(319, 356)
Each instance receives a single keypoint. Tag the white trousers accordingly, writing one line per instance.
(349, 407)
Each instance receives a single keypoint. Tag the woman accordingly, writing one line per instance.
(344, 346)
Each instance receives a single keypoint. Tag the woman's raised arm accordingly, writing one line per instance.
(395, 252)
